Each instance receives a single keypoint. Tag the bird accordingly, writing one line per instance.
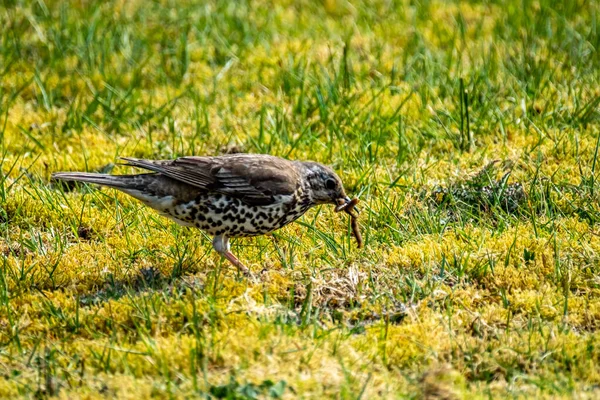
(226, 196)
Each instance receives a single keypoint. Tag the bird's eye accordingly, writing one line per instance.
(330, 184)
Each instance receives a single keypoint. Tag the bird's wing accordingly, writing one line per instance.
(254, 179)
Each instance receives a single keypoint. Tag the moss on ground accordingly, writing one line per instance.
(468, 129)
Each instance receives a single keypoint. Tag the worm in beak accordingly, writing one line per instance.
(347, 206)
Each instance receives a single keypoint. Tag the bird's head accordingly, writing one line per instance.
(324, 184)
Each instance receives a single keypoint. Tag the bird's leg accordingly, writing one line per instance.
(221, 245)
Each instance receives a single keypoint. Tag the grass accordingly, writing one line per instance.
(469, 129)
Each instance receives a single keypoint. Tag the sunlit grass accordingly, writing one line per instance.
(469, 130)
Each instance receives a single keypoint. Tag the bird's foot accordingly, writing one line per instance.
(240, 266)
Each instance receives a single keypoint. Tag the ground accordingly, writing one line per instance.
(468, 129)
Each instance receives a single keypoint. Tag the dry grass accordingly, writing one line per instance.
(469, 130)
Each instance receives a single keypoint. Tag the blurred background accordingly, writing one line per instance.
(469, 130)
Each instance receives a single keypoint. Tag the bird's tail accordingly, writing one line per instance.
(114, 181)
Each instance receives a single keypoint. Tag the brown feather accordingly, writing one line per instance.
(253, 178)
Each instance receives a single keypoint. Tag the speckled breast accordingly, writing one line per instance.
(219, 214)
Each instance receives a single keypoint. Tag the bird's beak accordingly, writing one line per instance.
(341, 203)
